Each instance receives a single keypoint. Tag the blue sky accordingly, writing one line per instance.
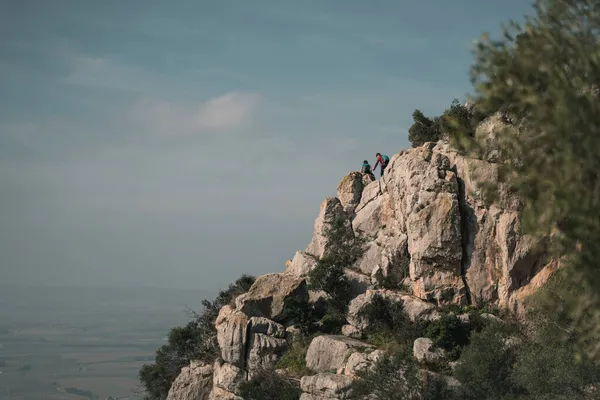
(182, 143)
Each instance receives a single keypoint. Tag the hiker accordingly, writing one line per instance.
(366, 169)
(383, 160)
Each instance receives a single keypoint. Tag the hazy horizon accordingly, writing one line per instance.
(182, 144)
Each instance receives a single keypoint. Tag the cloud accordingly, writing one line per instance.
(229, 111)
(106, 73)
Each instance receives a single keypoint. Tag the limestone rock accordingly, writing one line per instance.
(219, 394)
(301, 264)
(228, 377)
(231, 335)
(359, 361)
(367, 179)
(193, 383)
(498, 259)
(331, 209)
(424, 192)
(268, 295)
(330, 352)
(414, 307)
(424, 351)
(267, 327)
(351, 331)
(264, 351)
(329, 386)
(349, 191)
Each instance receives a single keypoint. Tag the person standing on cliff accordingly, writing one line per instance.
(383, 160)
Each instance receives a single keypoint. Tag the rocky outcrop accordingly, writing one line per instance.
(331, 210)
(193, 383)
(431, 239)
(266, 344)
(425, 352)
(350, 190)
(268, 295)
(326, 386)
(328, 353)
(413, 306)
(232, 335)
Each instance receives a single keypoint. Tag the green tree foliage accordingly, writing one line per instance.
(269, 385)
(195, 341)
(343, 249)
(546, 75)
(423, 129)
(394, 377)
(388, 323)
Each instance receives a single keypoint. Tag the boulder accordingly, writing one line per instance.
(228, 377)
(359, 361)
(219, 394)
(266, 327)
(331, 210)
(349, 191)
(269, 295)
(425, 352)
(193, 383)
(329, 386)
(330, 352)
(301, 264)
(264, 351)
(232, 335)
(424, 192)
(413, 306)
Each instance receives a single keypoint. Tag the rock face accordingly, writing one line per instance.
(429, 231)
(424, 351)
(413, 306)
(431, 239)
(329, 353)
(331, 209)
(269, 293)
(194, 383)
(350, 190)
(326, 386)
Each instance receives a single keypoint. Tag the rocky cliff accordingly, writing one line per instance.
(431, 240)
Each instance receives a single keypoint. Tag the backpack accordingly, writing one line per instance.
(385, 158)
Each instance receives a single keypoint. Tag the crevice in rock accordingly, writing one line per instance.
(468, 227)
(247, 348)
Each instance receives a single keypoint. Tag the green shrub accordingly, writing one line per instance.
(387, 319)
(392, 377)
(423, 129)
(269, 385)
(485, 366)
(195, 341)
(344, 248)
(294, 359)
(329, 276)
(448, 333)
(302, 314)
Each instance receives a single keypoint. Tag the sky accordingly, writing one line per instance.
(181, 144)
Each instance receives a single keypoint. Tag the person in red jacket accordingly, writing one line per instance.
(383, 160)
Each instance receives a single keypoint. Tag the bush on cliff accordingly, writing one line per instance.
(344, 248)
(195, 341)
(423, 129)
(270, 385)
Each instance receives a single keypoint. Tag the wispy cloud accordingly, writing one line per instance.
(106, 73)
(229, 111)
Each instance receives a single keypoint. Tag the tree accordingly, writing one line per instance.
(423, 129)
(195, 341)
(343, 249)
(545, 74)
